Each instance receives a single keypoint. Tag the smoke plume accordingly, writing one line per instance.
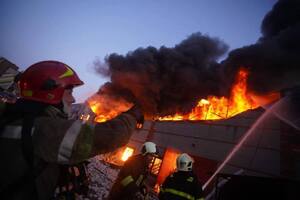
(274, 61)
(167, 80)
(170, 80)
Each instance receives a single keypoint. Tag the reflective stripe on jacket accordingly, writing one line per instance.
(178, 193)
(127, 180)
(59, 141)
(130, 178)
(181, 185)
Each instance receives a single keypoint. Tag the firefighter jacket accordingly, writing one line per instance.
(130, 179)
(57, 140)
(181, 185)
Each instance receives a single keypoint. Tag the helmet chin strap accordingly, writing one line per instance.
(66, 108)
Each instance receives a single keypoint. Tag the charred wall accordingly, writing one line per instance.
(263, 154)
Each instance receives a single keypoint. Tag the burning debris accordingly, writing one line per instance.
(102, 177)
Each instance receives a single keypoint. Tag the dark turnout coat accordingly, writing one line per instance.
(130, 178)
(55, 140)
(181, 185)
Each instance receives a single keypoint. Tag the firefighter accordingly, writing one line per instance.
(129, 184)
(182, 184)
(36, 137)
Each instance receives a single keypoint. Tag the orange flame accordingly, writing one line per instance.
(212, 108)
(127, 153)
(106, 107)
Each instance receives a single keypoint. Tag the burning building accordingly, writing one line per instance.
(233, 117)
(225, 138)
(268, 151)
(271, 150)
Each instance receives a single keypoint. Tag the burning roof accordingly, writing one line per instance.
(106, 105)
(173, 81)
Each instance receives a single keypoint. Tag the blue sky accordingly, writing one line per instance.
(77, 32)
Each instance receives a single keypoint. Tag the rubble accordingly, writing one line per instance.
(102, 176)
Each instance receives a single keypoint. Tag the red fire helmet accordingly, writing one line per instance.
(46, 81)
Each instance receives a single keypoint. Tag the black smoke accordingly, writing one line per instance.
(168, 80)
(274, 61)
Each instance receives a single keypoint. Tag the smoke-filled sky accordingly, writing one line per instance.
(168, 54)
(273, 61)
(190, 33)
(169, 80)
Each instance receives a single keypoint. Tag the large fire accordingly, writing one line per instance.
(106, 107)
(212, 108)
(127, 153)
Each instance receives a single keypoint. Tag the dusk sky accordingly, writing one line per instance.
(77, 32)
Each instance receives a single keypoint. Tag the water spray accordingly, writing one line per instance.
(243, 139)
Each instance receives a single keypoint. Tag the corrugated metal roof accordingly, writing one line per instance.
(261, 154)
(8, 71)
(5, 64)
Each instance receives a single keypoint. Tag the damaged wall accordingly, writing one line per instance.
(261, 155)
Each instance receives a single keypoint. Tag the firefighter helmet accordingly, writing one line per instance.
(149, 148)
(184, 162)
(46, 81)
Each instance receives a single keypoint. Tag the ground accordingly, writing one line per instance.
(102, 177)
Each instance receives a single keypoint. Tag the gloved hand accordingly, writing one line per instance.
(86, 113)
(136, 112)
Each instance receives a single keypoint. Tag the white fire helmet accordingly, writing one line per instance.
(149, 147)
(184, 162)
